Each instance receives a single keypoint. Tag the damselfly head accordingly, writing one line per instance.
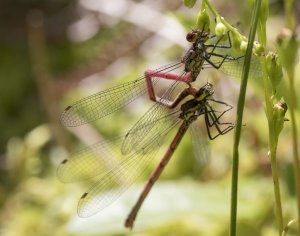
(197, 35)
(192, 36)
(205, 91)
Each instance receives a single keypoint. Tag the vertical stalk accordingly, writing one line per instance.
(278, 206)
(290, 75)
(290, 21)
(240, 110)
(289, 14)
(273, 141)
(289, 66)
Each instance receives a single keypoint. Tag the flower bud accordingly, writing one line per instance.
(203, 20)
(258, 49)
(279, 110)
(236, 40)
(189, 3)
(287, 46)
(243, 45)
(220, 29)
(274, 70)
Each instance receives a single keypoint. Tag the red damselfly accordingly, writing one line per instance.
(201, 55)
(138, 147)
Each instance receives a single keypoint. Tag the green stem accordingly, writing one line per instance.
(213, 11)
(240, 110)
(278, 207)
(273, 141)
(292, 107)
(262, 36)
(289, 13)
(290, 22)
(203, 5)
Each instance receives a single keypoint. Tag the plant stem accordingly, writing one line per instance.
(290, 22)
(273, 141)
(240, 110)
(292, 107)
(276, 188)
(273, 149)
(289, 14)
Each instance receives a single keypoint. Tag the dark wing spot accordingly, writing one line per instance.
(84, 195)
(68, 108)
(64, 161)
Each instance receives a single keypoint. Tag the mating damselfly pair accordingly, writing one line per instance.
(137, 147)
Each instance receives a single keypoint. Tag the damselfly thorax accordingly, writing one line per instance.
(195, 56)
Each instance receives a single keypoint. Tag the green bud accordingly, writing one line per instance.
(274, 70)
(258, 49)
(236, 41)
(189, 3)
(203, 20)
(287, 46)
(220, 28)
(279, 110)
(243, 45)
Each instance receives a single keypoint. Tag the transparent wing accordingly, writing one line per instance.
(234, 67)
(91, 161)
(156, 118)
(200, 144)
(108, 101)
(123, 176)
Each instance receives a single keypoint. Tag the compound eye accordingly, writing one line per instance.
(191, 37)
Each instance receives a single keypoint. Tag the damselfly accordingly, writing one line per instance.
(138, 148)
(201, 55)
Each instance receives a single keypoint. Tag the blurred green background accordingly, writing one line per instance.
(56, 52)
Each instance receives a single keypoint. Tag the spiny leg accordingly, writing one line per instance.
(213, 112)
(208, 55)
(220, 132)
(216, 119)
(216, 66)
(208, 115)
(217, 45)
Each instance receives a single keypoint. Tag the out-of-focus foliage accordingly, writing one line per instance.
(56, 52)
